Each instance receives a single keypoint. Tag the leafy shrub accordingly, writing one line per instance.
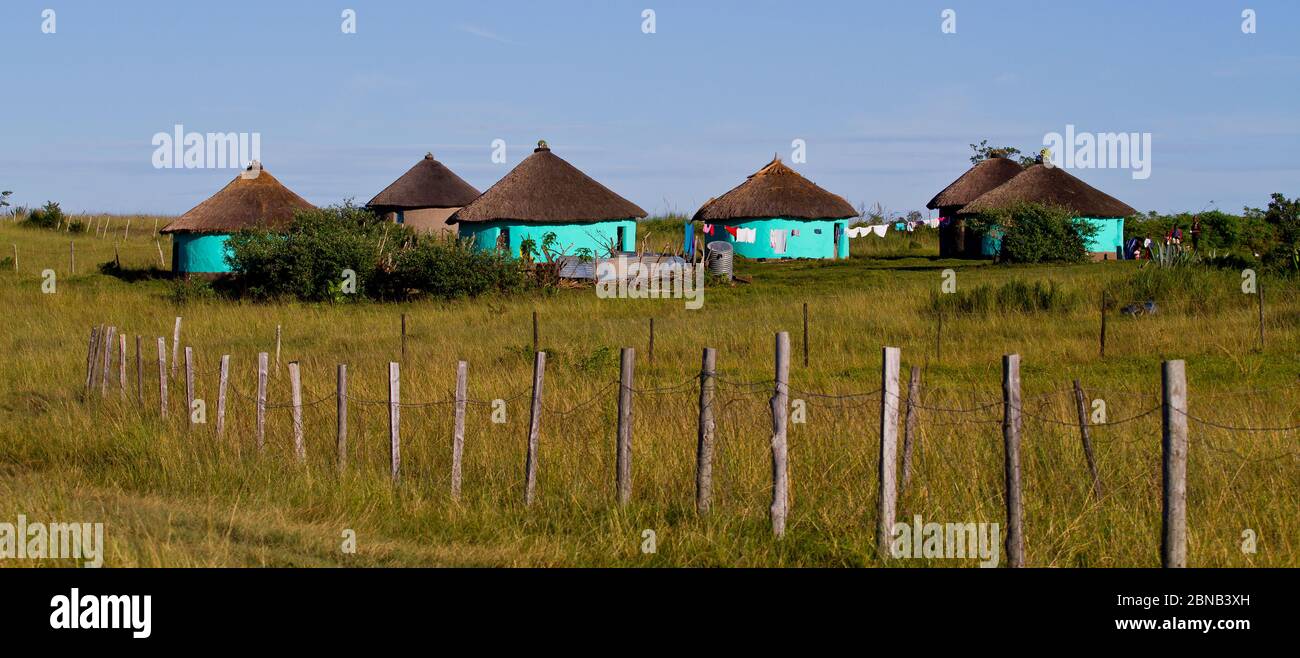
(1037, 233)
(184, 290)
(49, 216)
(1011, 297)
(309, 260)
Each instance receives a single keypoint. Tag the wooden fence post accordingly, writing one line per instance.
(176, 344)
(91, 351)
(295, 392)
(704, 445)
(805, 334)
(262, 358)
(222, 381)
(104, 369)
(189, 387)
(536, 337)
(277, 350)
(887, 463)
(341, 439)
(395, 420)
(162, 376)
(779, 404)
(121, 364)
(1015, 545)
(1082, 406)
(458, 429)
(534, 427)
(1173, 540)
(139, 373)
(909, 427)
(623, 447)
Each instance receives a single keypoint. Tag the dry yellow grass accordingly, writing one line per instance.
(172, 498)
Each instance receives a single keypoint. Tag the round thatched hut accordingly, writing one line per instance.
(254, 199)
(545, 194)
(1055, 186)
(955, 241)
(776, 213)
(424, 197)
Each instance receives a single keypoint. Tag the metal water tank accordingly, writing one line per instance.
(720, 257)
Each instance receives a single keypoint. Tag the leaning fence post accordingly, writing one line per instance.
(277, 350)
(1082, 406)
(162, 376)
(189, 387)
(535, 335)
(704, 446)
(223, 380)
(395, 420)
(534, 429)
(108, 360)
(1015, 544)
(341, 440)
(295, 392)
(458, 429)
(121, 364)
(176, 344)
(262, 358)
(91, 351)
(909, 426)
(1173, 541)
(623, 448)
(887, 463)
(779, 405)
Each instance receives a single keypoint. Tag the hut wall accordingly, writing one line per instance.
(425, 220)
(199, 252)
(595, 236)
(1110, 234)
(816, 238)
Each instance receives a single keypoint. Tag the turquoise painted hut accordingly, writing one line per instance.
(545, 194)
(254, 199)
(1055, 186)
(776, 213)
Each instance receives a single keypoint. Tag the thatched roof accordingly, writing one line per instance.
(1052, 186)
(984, 176)
(776, 191)
(254, 199)
(429, 184)
(546, 188)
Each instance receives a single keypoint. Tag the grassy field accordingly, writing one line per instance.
(170, 497)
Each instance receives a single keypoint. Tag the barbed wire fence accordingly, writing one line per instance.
(719, 398)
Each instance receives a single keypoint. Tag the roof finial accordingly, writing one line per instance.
(428, 155)
(541, 146)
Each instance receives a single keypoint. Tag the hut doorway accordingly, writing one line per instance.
(839, 236)
(620, 235)
(503, 239)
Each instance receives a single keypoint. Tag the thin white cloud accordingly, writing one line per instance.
(480, 32)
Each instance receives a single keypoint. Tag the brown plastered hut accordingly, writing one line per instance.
(254, 199)
(986, 175)
(424, 197)
(545, 194)
(787, 215)
(1055, 186)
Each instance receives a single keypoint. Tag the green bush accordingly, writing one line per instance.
(1037, 233)
(49, 216)
(309, 261)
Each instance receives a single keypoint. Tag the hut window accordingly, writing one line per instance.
(817, 231)
(401, 217)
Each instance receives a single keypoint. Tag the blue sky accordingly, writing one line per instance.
(886, 102)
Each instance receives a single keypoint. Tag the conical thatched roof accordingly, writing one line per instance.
(546, 188)
(984, 176)
(429, 184)
(1052, 186)
(254, 199)
(776, 191)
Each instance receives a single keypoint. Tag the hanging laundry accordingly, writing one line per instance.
(747, 235)
(776, 239)
(879, 230)
(731, 230)
(708, 229)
